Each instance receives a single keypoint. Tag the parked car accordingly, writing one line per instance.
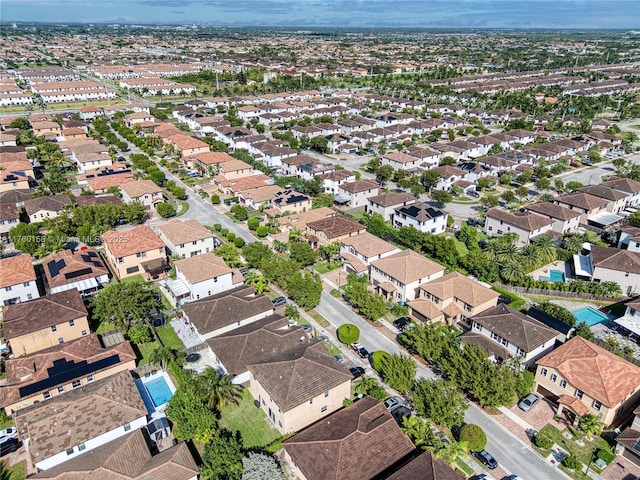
(394, 402)
(487, 459)
(339, 358)
(528, 402)
(307, 328)
(8, 433)
(324, 338)
(474, 194)
(514, 477)
(360, 350)
(357, 372)
(8, 446)
(402, 323)
(278, 301)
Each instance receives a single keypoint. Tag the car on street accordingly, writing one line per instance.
(279, 301)
(357, 372)
(324, 338)
(528, 402)
(307, 328)
(360, 350)
(474, 194)
(486, 459)
(8, 446)
(395, 402)
(401, 323)
(513, 477)
(339, 358)
(8, 433)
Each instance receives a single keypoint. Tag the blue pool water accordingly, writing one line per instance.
(590, 315)
(159, 391)
(556, 276)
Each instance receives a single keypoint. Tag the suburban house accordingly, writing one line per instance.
(399, 160)
(631, 318)
(629, 238)
(253, 343)
(399, 276)
(564, 219)
(582, 378)
(615, 198)
(225, 311)
(44, 322)
(79, 269)
(202, 276)
(421, 216)
(261, 196)
(354, 194)
(299, 220)
(142, 191)
(504, 332)
(606, 264)
(526, 225)
(588, 205)
(187, 145)
(626, 185)
(300, 385)
(136, 251)
(128, 457)
(41, 208)
(45, 374)
(17, 279)
(334, 448)
(424, 466)
(333, 229)
(386, 203)
(9, 218)
(291, 201)
(332, 181)
(186, 238)
(452, 299)
(359, 251)
(71, 425)
(628, 441)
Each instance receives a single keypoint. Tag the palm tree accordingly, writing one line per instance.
(547, 248)
(530, 256)
(257, 281)
(163, 356)
(512, 271)
(573, 243)
(291, 312)
(449, 452)
(365, 384)
(218, 390)
(590, 424)
(5, 473)
(295, 235)
(418, 430)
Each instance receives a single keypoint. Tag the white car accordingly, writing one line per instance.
(8, 433)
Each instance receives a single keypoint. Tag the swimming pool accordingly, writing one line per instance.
(556, 276)
(159, 391)
(590, 315)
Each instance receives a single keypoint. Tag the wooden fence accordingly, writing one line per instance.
(559, 293)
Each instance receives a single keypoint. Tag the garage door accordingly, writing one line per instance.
(627, 453)
(547, 394)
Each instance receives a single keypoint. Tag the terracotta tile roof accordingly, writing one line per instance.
(186, 142)
(407, 266)
(69, 266)
(8, 211)
(552, 210)
(574, 403)
(139, 188)
(526, 221)
(594, 370)
(227, 308)
(300, 373)
(127, 458)
(16, 270)
(202, 267)
(67, 420)
(255, 342)
(44, 312)
(455, 285)
(50, 203)
(491, 347)
(262, 194)
(424, 467)
(615, 259)
(355, 443)
(301, 219)
(354, 262)
(399, 157)
(86, 200)
(334, 227)
(391, 199)
(358, 186)
(425, 308)
(60, 365)
(369, 245)
(113, 180)
(139, 239)
(186, 231)
(519, 329)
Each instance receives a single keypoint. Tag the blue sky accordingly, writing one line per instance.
(599, 14)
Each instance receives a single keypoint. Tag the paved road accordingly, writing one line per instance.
(512, 455)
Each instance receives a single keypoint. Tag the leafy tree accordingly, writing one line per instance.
(256, 254)
(190, 417)
(429, 179)
(305, 289)
(239, 212)
(257, 281)
(229, 253)
(590, 424)
(217, 390)
(262, 231)
(124, 304)
(291, 312)
(543, 184)
(134, 212)
(583, 330)
(376, 225)
(319, 144)
(398, 371)
(441, 197)
(474, 437)
(302, 253)
(257, 466)
(439, 401)
(161, 355)
(525, 383)
(215, 199)
(139, 334)
(166, 210)
(55, 181)
(253, 223)
(22, 123)
(573, 186)
(370, 386)
(384, 173)
(508, 196)
(522, 192)
(348, 333)
(25, 237)
(449, 452)
(469, 236)
(322, 200)
(448, 161)
(489, 201)
(222, 457)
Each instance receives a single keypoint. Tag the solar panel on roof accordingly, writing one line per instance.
(636, 446)
(77, 273)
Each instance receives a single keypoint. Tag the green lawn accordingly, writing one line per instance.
(324, 267)
(184, 208)
(169, 338)
(17, 472)
(133, 278)
(143, 351)
(461, 248)
(318, 318)
(5, 420)
(105, 327)
(249, 421)
(333, 349)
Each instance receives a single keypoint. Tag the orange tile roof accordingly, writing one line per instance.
(138, 239)
(15, 270)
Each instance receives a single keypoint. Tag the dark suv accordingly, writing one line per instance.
(486, 458)
(9, 446)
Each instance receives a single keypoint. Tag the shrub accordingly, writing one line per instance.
(474, 436)
(166, 210)
(239, 242)
(262, 231)
(606, 455)
(377, 359)
(542, 441)
(348, 333)
(224, 232)
(230, 236)
(215, 199)
(217, 227)
(571, 462)
(525, 383)
(253, 223)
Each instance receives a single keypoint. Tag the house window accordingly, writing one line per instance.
(311, 401)
(131, 270)
(70, 451)
(60, 339)
(280, 423)
(81, 447)
(61, 389)
(120, 260)
(72, 323)
(54, 328)
(90, 379)
(127, 427)
(554, 377)
(46, 395)
(543, 372)
(563, 383)
(326, 394)
(29, 296)
(579, 393)
(323, 409)
(141, 254)
(597, 405)
(84, 332)
(521, 351)
(76, 384)
(25, 284)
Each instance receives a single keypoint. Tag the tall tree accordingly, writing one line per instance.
(217, 390)
(222, 457)
(123, 304)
